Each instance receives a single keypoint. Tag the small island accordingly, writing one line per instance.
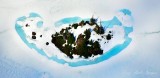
(82, 45)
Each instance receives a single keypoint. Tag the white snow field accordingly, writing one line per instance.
(140, 59)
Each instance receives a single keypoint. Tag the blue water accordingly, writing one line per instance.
(39, 24)
(111, 23)
(106, 24)
(126, 11)
(34, 15)
(23, 18)
(68, 20)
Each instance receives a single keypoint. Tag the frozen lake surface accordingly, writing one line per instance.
(106, 24)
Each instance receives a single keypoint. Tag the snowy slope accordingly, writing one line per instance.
(139, 60)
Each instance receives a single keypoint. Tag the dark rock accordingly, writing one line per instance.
(82, 23)
(87, 22)
(92, 21)
(75, 25)
(47, 43)
(34, 37)
(99, 29)
(108, 37)
(33, 33)
(27, 25)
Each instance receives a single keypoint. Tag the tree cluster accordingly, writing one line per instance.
(83, 46)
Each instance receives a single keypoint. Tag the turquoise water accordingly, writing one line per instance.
(68, 20)
(34, 15)
(39, 24)
(111, 23)
(107, 24)
(126, 11)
